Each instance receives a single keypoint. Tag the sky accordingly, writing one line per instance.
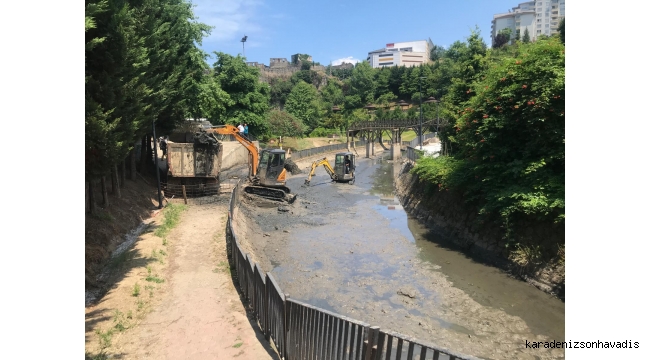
(337, 30)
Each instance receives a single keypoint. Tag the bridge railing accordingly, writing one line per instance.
(323, 149)
(303, 331)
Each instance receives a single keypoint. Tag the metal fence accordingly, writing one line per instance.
(303, 331)
(415, 142)
(412, 154)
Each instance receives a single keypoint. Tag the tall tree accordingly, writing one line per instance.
(302, 103)
(526, 38)
(250, 97)
(362, 83)
(560, 29)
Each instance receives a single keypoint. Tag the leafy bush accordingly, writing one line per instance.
(323, 132)
(509, 138)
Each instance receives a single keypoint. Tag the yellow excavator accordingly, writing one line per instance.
(343, 170)
(266, 173)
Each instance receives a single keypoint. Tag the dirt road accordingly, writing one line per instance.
(199, 314)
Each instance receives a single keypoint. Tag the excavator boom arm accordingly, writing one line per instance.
(252, 149)
(316, 164)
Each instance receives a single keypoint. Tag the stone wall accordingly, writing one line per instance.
(446, 214)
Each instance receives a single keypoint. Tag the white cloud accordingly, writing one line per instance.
(231, 19)
(349, 60)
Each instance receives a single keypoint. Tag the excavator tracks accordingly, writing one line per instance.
(276, 194)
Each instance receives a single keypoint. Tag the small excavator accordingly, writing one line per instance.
(266, 173)
(343, 170)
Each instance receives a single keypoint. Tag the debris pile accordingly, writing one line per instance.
(202, 138)
(292, 167)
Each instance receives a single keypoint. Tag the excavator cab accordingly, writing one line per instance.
(344, 165)
(270, 170)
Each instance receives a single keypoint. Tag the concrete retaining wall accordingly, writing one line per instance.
(234, 154)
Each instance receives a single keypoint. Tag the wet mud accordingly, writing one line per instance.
(353, 250)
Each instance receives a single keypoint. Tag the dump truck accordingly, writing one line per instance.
(193, 160)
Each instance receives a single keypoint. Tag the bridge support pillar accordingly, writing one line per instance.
(368, 146)
(372, 142)
(347, 139)
(395, 146)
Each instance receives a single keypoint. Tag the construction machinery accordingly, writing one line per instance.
(343, 170)
(194, 161)
(266, 173)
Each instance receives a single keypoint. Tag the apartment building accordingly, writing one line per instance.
(410, 53)
(540, 17)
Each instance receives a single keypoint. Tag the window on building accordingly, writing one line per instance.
(539, 20)
(539, 32)
(548, 26)
(539, 26)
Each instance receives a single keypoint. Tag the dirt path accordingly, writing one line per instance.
(199, 314)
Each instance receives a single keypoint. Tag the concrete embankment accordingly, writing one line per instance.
(446, 214)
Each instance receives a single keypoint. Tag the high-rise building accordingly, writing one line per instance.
(411, 53)
(540, 17)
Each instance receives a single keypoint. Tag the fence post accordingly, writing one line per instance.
(288, 351)
(371, 351)
(184, 195)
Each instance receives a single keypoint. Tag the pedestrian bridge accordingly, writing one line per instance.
(373, 131)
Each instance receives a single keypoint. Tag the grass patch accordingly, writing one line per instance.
(409, 135)
(105, 338)
(171, 215)
(164, 241)
(238, 345)
(120, 321)
(526, 256)
(155, 279)
(136, 289)
(222, 267)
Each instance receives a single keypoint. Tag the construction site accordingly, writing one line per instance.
(281, 258)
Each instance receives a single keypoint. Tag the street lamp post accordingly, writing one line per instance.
(243, 40)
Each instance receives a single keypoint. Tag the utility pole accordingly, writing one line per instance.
(420, 83)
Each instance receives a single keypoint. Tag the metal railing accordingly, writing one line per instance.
(412, 154)
(303, 331)
(416, 142)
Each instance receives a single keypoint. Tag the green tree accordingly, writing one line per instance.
(560, 29)
(502, 38)
(362, 83)
(142, 64)
(302, 103)
(284, 124)
(509, 139)
(280, 90)
(250, 97)
(436, 52)
(526, 38)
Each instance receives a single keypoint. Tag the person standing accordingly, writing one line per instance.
(240, 128)
(246, 130)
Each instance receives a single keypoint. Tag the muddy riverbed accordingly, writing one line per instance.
(353, 250)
